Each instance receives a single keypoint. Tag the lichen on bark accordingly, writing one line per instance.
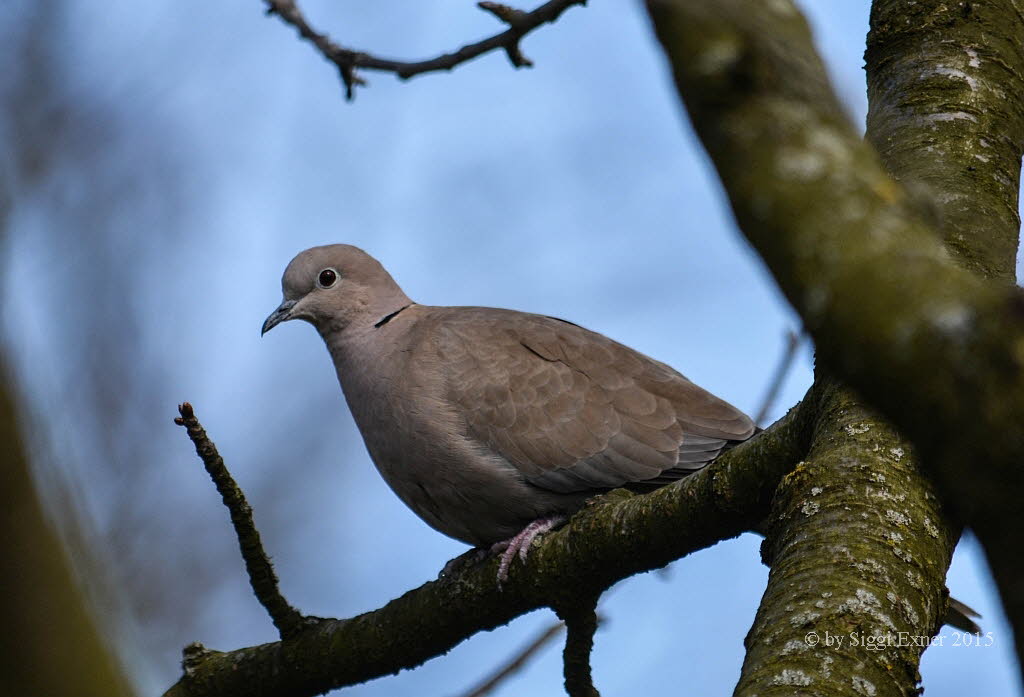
(858, 550)
(930, 335)
(944, 105)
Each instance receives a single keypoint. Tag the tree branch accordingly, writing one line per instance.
(935, 348)
(858, 550)
(580, 625)
(622, 534)
(264, 583)
(945, 112)
(348, 60)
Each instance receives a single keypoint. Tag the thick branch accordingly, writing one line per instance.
(858, 551)
(938, 350)
(945, 113)
(348, 61)
(603, 544)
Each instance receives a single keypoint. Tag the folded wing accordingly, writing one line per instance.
(574, 410)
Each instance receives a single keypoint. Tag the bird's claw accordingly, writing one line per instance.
(520, 544)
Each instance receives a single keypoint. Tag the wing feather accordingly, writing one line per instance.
(574, 410)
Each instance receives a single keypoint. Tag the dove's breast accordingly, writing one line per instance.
(419, 441)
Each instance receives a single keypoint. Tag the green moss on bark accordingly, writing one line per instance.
(620, 535)
(858, 552)
(945, 112)
(935, 347)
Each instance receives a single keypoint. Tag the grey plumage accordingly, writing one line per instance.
(483, 420)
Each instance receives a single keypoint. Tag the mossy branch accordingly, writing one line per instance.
(621, 535)
(936, 348)
(858, 549)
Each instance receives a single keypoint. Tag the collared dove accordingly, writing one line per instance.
(494, 425)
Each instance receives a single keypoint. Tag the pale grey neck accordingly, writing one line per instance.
(385, 304)
(374, 327)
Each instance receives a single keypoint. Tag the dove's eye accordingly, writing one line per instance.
(327, 278)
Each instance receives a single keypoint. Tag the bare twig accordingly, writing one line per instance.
(793, 340)
(287, 619)
(517, 661)
(348, 61)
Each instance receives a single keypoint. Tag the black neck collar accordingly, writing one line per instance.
(387, 318)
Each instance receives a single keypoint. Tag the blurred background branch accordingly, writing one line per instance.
(51, 643)
(516, 662)
(782, 370)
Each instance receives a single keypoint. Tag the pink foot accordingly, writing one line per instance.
(520, 544)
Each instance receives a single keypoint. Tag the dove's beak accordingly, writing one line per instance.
(283, 313)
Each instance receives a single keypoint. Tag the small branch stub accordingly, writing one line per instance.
(580, 625)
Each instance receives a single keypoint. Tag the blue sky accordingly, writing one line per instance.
(574, 189)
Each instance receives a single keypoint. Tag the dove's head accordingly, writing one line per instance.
(336, 287)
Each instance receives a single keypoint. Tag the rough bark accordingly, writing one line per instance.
(858, 552)
(936, 348)
(945, 111)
